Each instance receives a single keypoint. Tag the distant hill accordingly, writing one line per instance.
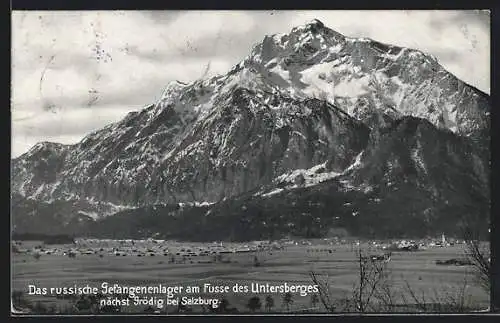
(47, 239)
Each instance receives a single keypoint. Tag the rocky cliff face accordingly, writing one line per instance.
(243, 143)
(303, 109)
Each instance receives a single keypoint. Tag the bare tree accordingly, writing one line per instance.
(256, 262)
(371, 291)
(478, 254)
(254, 304)
(288, 300)
(314, 300)
(372, 274)
(18, 298)
(37, 255)
(374, 289)
(224, 305)
(269, 303)
(324, 291)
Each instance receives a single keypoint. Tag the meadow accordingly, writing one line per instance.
(293, 265)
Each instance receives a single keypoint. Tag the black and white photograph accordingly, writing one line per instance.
(184, 162)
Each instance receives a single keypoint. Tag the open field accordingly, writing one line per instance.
(292, 265)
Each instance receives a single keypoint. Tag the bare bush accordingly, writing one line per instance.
(479, 256)
(375, 291)
(373, 274)
(323, 291)
(455, 300)
(371, 292)
(269, 303)
(254, 304)
(288, 301)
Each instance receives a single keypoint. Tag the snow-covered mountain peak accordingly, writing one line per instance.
(287, 106)
(315, 23)
(361, 76)
(298, 45)
(172, 89)
(315, 27)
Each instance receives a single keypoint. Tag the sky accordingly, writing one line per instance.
(75, 72)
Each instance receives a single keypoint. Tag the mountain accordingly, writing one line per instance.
(402, 185)
(344, 121)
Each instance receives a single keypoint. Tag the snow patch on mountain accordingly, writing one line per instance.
(355, 87)
(311, 176)
(356, 164)
(300, 178)
(318, 84)
(93, 215)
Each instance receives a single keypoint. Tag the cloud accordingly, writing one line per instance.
(67, 126)
(98, 65)
(127, 61)
(72, 121)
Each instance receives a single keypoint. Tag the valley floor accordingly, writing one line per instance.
(292, 264)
